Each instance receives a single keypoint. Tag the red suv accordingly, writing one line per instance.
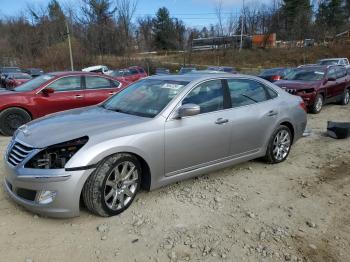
(318, 85)
(51, 93)
(130, 74)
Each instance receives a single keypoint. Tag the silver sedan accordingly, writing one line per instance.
(157, 131)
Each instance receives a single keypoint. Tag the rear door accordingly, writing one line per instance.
(98, 89)
(68, 94)
(341, 81)
(254, 115)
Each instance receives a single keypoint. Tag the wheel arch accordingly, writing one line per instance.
(290, 127)
(18, 107)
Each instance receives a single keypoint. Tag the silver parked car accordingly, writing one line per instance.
(157, 131)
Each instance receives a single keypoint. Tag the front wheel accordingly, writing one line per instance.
(279, 145)
(11, 119)
(318, 104)
(345, 97)
(113, 186)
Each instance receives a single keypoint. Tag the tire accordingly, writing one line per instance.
(345, 97)
(11, 119)
(317, 105)
(273, 156)
(105, 193)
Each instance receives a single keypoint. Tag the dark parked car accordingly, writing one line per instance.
(15, 79)
(226, 69)
(130, 74)
(162, 71)
(34, 72)
(185, 70)
(4, 71)
(51, 93)
(274, 74)
(318, 85)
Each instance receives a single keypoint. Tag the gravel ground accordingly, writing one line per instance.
(295, 211)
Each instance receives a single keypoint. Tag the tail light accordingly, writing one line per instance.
(276, 78)
(303, 106)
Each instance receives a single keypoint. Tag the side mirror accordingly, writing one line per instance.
(48, 91)
(188, 110)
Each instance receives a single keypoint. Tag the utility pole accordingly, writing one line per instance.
(242, 21)
(70, 48)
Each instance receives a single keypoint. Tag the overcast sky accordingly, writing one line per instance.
(192, 12)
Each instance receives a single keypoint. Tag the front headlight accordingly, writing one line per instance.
(56, 156)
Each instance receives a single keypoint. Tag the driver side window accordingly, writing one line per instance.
(66, 84)
(209, 96)
(332, 73)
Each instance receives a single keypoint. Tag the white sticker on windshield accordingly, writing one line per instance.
(171, 86)
(319, 73)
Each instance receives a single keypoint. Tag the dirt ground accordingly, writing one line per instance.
(295, 211)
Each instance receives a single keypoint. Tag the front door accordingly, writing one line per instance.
(68, 94)
(195, 141)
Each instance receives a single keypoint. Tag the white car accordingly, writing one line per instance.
(98, 69)
(335, 61)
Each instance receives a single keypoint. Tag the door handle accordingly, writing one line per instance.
(221, 121)
(112, 93)
(272, 113)
(78, 97)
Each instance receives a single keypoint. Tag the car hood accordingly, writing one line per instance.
(296, 84)
(68, 125)
(4, 91)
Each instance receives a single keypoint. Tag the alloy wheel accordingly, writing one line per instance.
(121, 185)
(281, 145)
(347, 98)
(319, 104)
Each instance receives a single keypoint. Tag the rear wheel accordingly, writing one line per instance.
(11, 119)
(113, 186)
(318, 104)
(279, 145)
(345, 97)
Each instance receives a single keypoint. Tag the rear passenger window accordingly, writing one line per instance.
(93, 82)
(209, 96)
(246, 92)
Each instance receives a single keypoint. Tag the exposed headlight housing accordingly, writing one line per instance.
(56, 156)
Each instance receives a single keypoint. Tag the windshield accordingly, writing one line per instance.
(305, 75)
(328, 62)
(146, 98)
(34, 83)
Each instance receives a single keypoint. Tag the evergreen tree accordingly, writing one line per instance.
(164, 30)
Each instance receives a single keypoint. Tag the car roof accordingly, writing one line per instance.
(65, 73)
(195, 77)
(335, 58)
(313, 67)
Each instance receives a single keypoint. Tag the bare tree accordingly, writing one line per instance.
(125, 13)
(218, 11)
